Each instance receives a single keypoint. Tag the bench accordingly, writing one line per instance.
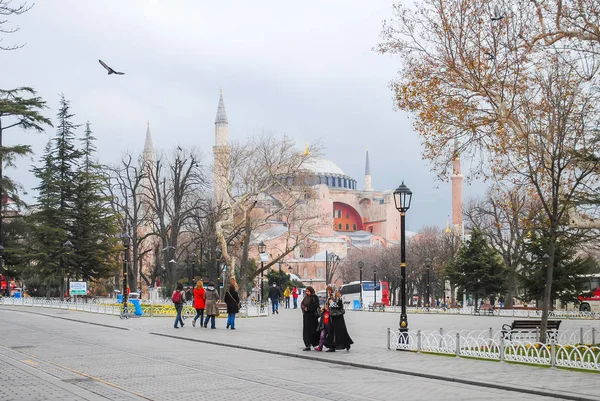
(528, 329)
(486, 309)
(379, 306)
(222, 307)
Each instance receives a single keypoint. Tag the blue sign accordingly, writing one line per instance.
(369, 286)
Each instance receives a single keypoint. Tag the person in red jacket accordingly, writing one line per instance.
(199, 302)
(295, 296)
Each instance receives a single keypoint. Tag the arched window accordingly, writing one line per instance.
(320, 272)
(305, 272)
(354, 227)
(339, 227)
(347, 228)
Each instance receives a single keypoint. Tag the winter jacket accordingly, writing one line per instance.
(212, 296)
(199, 298)
(232, 300)
(274, 293)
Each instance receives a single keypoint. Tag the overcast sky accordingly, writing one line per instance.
(302, 69)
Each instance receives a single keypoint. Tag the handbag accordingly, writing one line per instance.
(335, 312)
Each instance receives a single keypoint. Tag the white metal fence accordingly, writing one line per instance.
(578, 349)
(108, 306)
(496, 312)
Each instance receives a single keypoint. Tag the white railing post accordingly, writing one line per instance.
(501, 350)
(552, 353)
(537, 334)
(593, 336)
(581, 335)
(457, 345)
(419, 341)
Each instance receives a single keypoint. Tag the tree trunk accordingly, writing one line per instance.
(547, 301)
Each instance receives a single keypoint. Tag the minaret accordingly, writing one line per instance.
(148, 146)
(457, 202)
(368, 185)
(221, 151)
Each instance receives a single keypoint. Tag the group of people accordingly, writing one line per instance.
(205, 302)
(324, 326)
(275, 294)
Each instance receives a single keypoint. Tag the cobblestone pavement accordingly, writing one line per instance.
(57, 357)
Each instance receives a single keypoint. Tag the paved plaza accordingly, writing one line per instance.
(48, 354)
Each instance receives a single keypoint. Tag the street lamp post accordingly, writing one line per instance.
(125, 239)
(374, 283)
(193, 273)
(66, 246)
(402, 199)
(427, 283)
(262, 248)
(361, 264)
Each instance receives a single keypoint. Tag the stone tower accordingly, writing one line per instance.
(368, 184)
(457, 201)
(221, 152)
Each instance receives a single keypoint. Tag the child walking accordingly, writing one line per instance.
(323, 325)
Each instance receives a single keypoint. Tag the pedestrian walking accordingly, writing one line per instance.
(274, 295)
(286, 295)
(233, 306)
(295, 297)
(310, 319)
(212, 310)
(188, 294)
(178, 299)
(199, 302)
(337, 333)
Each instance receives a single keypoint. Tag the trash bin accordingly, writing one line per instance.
(119, 298)
(137, 306)
(356, 305)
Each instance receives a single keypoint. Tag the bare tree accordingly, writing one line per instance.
(7, 9)
(172, 194)
(261, 166)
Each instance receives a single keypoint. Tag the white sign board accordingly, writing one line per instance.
(78, 288)
(264, 257)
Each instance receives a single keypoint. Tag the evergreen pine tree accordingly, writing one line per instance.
(477, 268)
(95, 225)
(52, 222)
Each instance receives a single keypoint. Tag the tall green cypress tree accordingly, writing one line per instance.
(95, 225)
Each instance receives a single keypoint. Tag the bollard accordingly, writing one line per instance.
(537, 334)
(441, 337)
(419, 341)
(593, 336)
(388, 338)
(457, 345)
(501, 348)
(491, 333)
(581, 335)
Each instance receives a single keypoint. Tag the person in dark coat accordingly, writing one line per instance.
(310, 307)
(212, 310)
(337, 333)
(274, 295)
(233, 301)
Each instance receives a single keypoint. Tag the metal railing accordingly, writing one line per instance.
(113, 308)
(576, 349)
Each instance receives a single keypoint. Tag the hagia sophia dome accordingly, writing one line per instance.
(327, 172)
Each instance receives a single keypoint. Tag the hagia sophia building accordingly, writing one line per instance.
(351, 217)
(354, 216)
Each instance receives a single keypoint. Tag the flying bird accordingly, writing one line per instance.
(497, 16)
(491, 56)
(110, 70)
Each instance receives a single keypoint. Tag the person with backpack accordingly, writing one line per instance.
(178, 300)
(199, 302)
(232, 300)
(212, 310)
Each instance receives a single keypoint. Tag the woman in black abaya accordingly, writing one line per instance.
(310, 316)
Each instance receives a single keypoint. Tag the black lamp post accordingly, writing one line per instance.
(262, 248)
(5, 273)
(361, 264)
(125, 239)
(374, 283)
(67, 246)
(427, 283)
(193, 272)
(402, 199)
